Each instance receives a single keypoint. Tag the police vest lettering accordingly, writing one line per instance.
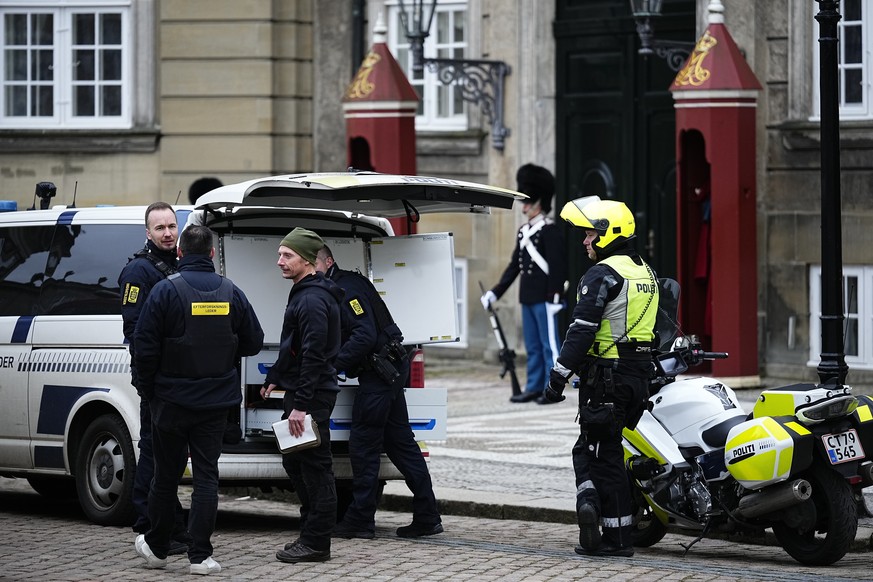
(203, 308)
(633, 304)
(207, 349)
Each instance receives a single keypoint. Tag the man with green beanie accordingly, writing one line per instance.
(305, 370)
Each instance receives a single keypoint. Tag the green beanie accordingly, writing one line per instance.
(303, 242)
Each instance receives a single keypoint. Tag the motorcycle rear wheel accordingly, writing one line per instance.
(647, 528)
(835, 521)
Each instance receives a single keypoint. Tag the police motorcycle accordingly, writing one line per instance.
(698, 462)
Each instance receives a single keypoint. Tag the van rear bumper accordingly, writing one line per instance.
(266, 467)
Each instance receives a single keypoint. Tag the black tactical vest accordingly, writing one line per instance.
(207, 349)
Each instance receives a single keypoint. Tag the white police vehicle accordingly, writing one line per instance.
(69, 418)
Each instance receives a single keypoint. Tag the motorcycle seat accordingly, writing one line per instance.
(716, 436)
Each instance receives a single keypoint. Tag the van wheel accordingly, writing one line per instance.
(58, 488)
(104, 468)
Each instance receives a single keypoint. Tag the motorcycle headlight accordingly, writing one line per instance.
(828, 409)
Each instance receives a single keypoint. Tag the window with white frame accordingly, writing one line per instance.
(858, 313)
(855, 64)
(65, 65)
(441, 106)
(461, 304)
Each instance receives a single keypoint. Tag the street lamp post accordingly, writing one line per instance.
(833, 360)
(480, 81)
(674, 52)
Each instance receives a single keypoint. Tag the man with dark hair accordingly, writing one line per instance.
(372, 350)
(148, 267)
(304, 369)
(540, 259)
(201, 186)
(191, 332)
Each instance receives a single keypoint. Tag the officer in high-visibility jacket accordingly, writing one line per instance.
(608, 345)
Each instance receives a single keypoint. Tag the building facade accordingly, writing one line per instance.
(129, 101)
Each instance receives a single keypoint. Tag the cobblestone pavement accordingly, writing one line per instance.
(42, 540)
(505, 484)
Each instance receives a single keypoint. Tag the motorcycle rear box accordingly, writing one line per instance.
(764, 451)
(785, 400)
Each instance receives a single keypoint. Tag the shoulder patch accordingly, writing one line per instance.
(584, 290)
(356, 307)
(131, 294)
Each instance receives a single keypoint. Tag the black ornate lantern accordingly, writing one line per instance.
(644, 11)
(480, 81)
(674, 52)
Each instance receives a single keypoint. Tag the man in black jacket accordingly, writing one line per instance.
(192, 329)
(305, 370)
(148, 267)
(372, 350)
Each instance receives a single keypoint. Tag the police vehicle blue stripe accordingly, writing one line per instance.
(22, 327)
(66, 217)
(45, 457)
(56, 404)
(424, 424)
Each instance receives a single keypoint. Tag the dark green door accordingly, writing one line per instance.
(615, 120)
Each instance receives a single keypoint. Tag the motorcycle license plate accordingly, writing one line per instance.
(843, 446)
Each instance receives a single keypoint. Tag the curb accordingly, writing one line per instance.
(403, 503)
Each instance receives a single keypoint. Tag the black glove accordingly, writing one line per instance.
(554, 392)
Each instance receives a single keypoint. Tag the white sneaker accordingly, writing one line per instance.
(207, 566)
(143, 549)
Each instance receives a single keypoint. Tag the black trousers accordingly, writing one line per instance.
(380, 421)
(145, 472)
(598, 461)
(178, 431)
(311, 472)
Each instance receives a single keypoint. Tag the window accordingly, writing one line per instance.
(65, 65)
(23, 254)
(855, 66)
(461, 303)
(81, 275)
(441, 106)
(858, 313)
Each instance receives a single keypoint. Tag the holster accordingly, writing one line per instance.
(596, 407)
(388, 360)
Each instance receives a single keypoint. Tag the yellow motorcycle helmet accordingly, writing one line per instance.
(613, 220)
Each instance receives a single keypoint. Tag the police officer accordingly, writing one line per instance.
(608, 344)
(191, 332)
(148, 267)
(539, 259)
(372, 351)
(304, 369)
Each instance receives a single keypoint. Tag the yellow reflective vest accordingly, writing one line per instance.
(633, 311)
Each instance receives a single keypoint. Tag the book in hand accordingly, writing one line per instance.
(288, 443)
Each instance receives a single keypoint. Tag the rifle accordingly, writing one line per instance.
(506, 355)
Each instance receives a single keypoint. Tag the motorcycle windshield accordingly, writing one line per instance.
(666, 324)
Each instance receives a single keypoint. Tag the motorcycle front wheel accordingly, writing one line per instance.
(829, 522)
(647, 528)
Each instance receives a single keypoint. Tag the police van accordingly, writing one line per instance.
(69, 417)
